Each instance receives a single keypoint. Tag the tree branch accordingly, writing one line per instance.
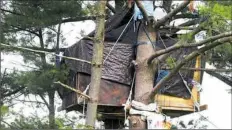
(171, 14)
(75, 90)
(44, 100)
(45, 52)
(13, 92)
(188, 58)
(185, 15)
(12, 12)
(177, 27)
(141, 8)
(37, 102)
(200, 69)
(178, 46)
(23, 29)
(76, 19)
(110, 7)
(220, 77)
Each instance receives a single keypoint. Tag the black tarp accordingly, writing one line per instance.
(117, 67)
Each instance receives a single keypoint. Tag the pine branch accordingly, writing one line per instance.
(171, 14)
(186, 60)
(45, 52)
(178, 46)
(13, 92)
(12, 12)
(75, 90)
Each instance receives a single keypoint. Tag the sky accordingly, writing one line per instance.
(214, 92)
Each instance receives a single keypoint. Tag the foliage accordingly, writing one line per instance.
(219, 20)
(40, 81)
(80, 126)
(4, 110)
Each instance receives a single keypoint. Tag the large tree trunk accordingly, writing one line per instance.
(96, 70)
(144, 73)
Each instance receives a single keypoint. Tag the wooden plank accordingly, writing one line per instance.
(203, 107)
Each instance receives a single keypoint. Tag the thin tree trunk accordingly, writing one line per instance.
(96, 70)
(51, 109)
(51, 92)
(144, 73)
(0, 64)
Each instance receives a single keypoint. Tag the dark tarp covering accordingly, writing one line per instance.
(175, 86)
(117, 66)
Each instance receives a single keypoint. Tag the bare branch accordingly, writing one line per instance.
(110, 7)
(177, 27)
(37, 102)
(171, 14)
(178, 46)
(76, 19)
(44, 100)
(185, 15)
(201, 69)
(140, 6)
(75, 90)
(45, 52)
(188, 58)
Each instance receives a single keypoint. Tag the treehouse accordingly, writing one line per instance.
(173, 98)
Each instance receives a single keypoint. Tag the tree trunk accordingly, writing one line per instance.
(51, 92)
(144, 73)
(96, 70)
(51, 109)
(0, 65)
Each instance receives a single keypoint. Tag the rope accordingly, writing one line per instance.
(87, 88)
(129, 97)
(194, 100)
(147, 34)
(118, 39)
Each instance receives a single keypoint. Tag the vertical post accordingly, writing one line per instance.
(97, 59)
(0, 64)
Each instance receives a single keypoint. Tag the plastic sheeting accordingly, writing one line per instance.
(118, 68)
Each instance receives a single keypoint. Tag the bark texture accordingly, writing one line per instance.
(144, 73)
(96, 70)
